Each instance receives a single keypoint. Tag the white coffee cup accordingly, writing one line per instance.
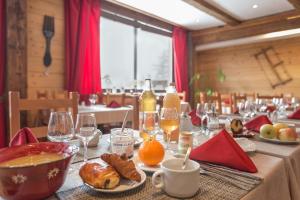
(175, 181)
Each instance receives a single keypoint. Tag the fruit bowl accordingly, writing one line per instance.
(34, 181)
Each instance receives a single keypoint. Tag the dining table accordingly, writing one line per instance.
(106, 115)
(290, 153)
(271, 172)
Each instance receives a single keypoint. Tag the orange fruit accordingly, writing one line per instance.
(151, 152)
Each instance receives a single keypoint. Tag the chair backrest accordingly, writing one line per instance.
(107, 98)
(214, 98)
(133, 100)
(236, 98)
(16, 105)
(268, 97)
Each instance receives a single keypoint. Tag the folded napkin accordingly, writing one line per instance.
(295, 115)
(255, 123)
(270, 108)
(24, 136)
(113, 104)
(223, 150)
(196, 121)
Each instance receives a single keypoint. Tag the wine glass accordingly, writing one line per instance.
(86, 129)
(150, 123)
(60, 127)
(93, 98)
(200, 112)
(169, 122)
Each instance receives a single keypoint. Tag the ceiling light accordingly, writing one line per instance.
(255, 6)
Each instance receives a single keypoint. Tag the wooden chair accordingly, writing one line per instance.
(268, 97)
(236, 98)
(16, 105)
(125, 100)
(226, 103)
(133, 100)
(119, 98)
(214, 98)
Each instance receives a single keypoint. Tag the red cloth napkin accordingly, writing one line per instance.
(113, 104)
(196, 121)
(295, 115)
(271, 108)
(255, 123)
(24, 136)
(223, 150)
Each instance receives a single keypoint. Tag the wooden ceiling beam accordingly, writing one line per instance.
(213, 11)
(295, 3)
(280, 22)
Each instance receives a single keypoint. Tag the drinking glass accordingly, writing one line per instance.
(86, 129)
(169, 122)
(93, 98)
(60, 127)
(151, 123)
(200, 112)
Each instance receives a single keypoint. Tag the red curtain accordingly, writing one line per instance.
(82, 21)
(180, 55)
(2, 71)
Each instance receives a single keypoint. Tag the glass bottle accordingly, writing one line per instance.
(147, 103)
(172, 100)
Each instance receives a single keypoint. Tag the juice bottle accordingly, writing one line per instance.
(172, 100)
(147, 103)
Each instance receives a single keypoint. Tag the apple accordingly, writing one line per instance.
(287, 134)
(267, 131)
(278, 126)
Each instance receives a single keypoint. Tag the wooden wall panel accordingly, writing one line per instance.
(243, 72)
(36, 78)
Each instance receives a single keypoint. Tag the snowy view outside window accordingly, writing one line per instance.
(154, 57)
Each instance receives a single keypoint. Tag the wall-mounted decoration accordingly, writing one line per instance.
(273, 67)
(48, 31)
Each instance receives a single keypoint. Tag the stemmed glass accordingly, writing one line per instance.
(200, 112)
(169, 122)
(151, 123)
(93, 98)
(86, 129)
(60, 127)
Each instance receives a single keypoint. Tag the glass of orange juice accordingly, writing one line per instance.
(169, 122)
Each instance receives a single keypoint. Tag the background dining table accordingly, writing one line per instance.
(272, 170)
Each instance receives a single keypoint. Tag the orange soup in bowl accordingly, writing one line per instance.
(32, 160)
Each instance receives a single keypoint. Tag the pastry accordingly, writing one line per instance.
(126, 168)
(98, 176)
(236, 126)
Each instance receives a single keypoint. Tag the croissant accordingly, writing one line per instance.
(126, 168)
(98, 176)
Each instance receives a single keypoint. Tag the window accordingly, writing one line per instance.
(116, 54)
(154, 59)
(129, 55)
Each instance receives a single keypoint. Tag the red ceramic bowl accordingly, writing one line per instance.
(34, 182)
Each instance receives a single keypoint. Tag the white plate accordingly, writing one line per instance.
(146, 168)
(246, 144)
(276, 141)
(124, 185)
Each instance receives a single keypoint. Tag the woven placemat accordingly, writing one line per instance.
(211, 188)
